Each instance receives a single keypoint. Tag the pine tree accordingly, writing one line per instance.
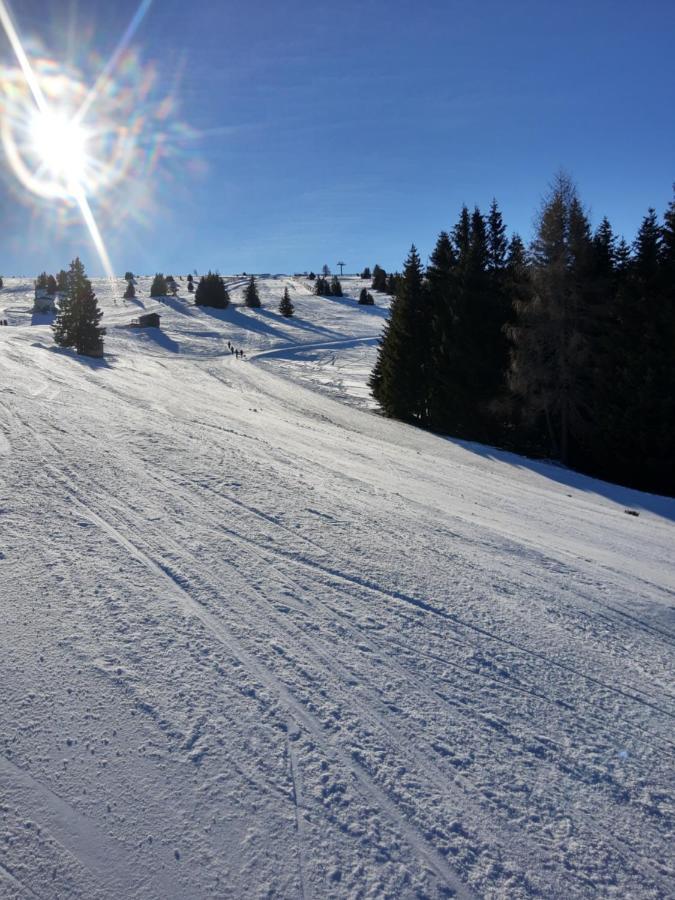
(363, 295)
(62, 281)
(366, 273)
(322, 287)
(445, 392)
(325, 270)
(379, 279)
(497, 242)
(51, 285)
(2, 283)
(130, 290)
(129, 276)
(190, 284)
(552, 335)
(286, 307)
(479, 338)
(41, 282)
(390, 285)
(399, 380)
(211, 291)
(77, 322)
(335, 287)
(636, 406)
(159, 287)
(251, 297)
(461, 235)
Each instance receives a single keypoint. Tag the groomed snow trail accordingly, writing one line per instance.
(257, 641)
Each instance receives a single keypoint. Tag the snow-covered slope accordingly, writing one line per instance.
(256, 641)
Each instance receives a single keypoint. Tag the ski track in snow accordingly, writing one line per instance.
(258, 641)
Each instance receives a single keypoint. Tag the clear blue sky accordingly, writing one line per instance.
(330, 131)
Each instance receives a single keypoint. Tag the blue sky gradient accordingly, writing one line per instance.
(347, 131)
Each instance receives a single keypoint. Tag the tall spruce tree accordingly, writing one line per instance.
(335, 287)
(442, 285)
(286, 307)
(251, 296)
(77, 322)
(399, 380)
(461, 234)
(497, 242)
(551, 336)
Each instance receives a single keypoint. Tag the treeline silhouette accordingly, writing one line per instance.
(564, 350)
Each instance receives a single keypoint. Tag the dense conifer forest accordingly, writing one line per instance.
(565, 349)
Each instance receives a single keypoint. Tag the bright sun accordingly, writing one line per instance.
(60, 144)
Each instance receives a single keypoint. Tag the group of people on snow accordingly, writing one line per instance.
(238, 354)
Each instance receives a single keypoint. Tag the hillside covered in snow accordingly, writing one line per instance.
(258, 641)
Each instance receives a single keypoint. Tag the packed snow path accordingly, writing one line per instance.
(259, 642)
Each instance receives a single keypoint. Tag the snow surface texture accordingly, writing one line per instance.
(257, 641)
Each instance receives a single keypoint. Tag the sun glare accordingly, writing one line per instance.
(60, 144)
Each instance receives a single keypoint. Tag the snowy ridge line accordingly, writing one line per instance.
(300, 713)
(613, 841)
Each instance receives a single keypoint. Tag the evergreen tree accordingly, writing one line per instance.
(190, 284)
(497, 242)
(325, 270)
(311, 276)
(322, 287)
(51, 285)
(636, 405)
(159, 287)
(379, 279)
(41, 282)
(77, 322)
(363, 295)
(286, 307)
(211, 291)
(366, 273)
(130, 290)
(399, 380)
(445, 394)
(480, 340)
(552, 333)
(461, 235)
(62, 281)
(335, 287)
(251, 297)
(129, 276)
(2, 283)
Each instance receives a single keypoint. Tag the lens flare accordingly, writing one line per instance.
(91, 135)
(61, 144)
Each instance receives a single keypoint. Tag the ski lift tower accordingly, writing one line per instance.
(342, 265)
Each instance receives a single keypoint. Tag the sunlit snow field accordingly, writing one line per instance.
(258, 641)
